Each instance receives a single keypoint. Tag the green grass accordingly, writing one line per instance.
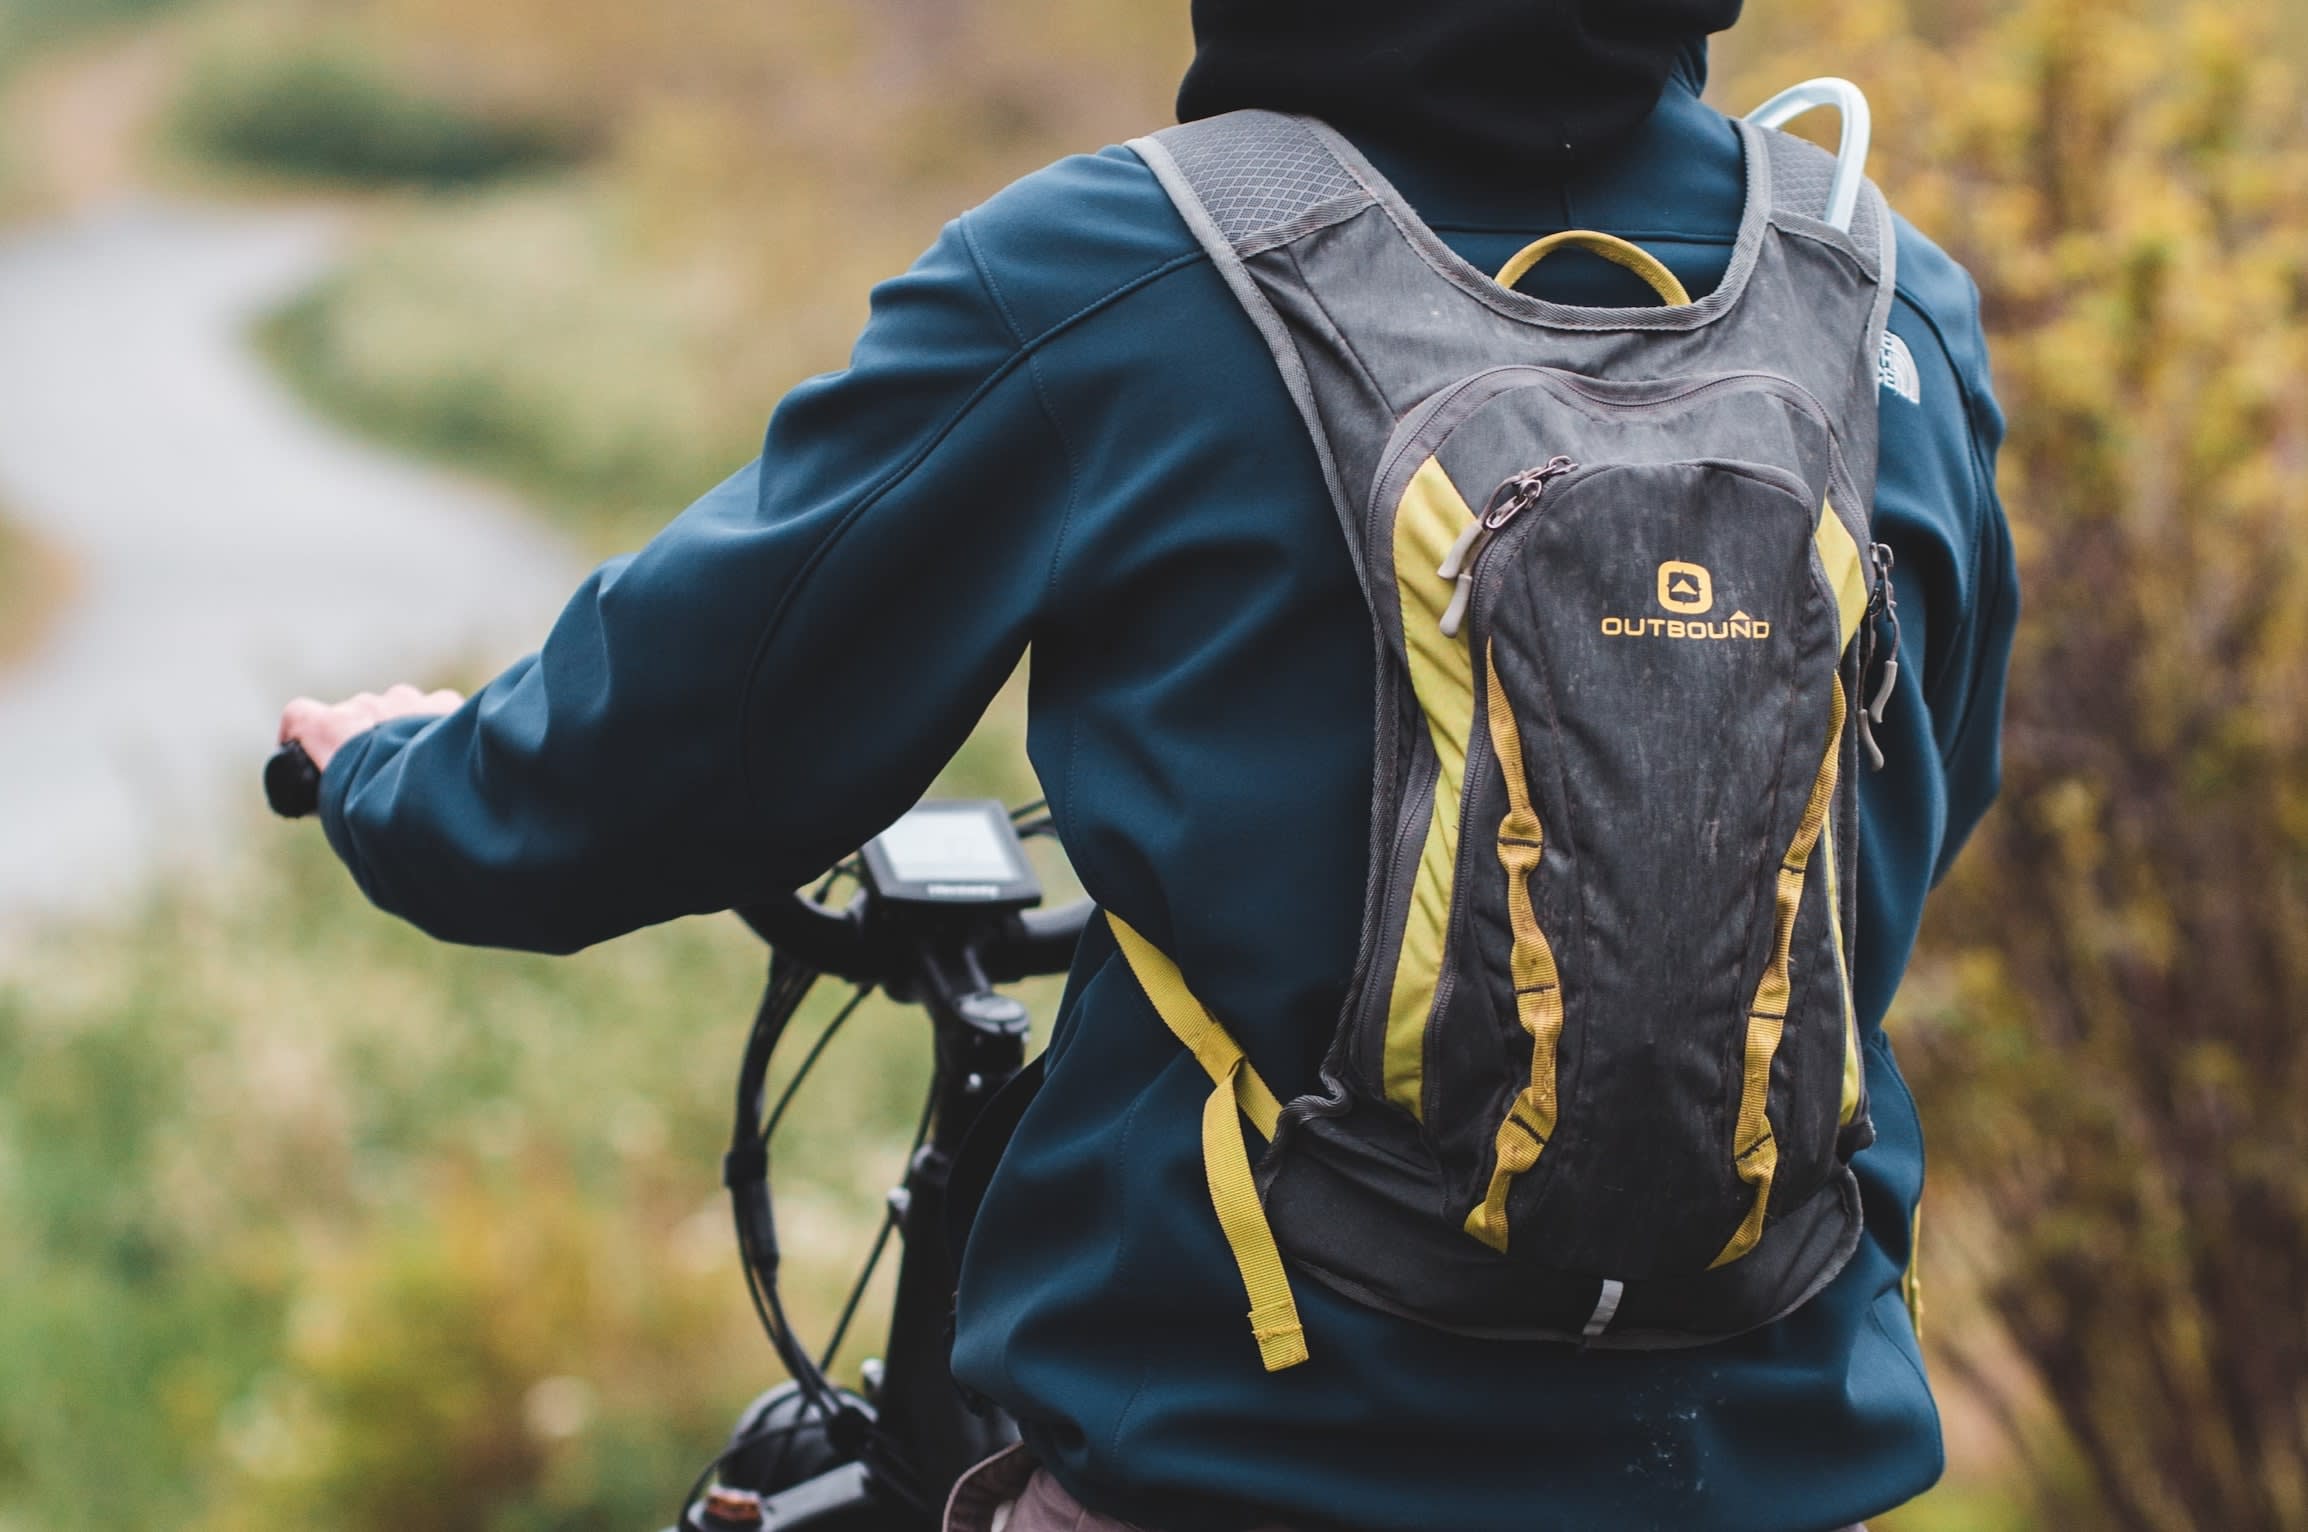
(328, 110)
(25, 24)
(312, 1221)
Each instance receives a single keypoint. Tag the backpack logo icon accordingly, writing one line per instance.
(1686, 588)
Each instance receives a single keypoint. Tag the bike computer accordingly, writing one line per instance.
(961, 851)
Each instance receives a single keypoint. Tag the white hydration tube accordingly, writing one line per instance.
(1850, 156)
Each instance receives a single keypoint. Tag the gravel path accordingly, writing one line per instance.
(229, 549)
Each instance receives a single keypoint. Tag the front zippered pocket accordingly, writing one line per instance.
(1480, 749)
(1400, 992)
(1422, 431)
(1665, 755)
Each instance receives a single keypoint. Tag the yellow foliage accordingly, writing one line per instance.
(2120, 1071)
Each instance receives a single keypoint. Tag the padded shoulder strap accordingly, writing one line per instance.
(1245, 182)
(1802, 178)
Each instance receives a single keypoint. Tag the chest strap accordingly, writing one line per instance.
(1225, 1162)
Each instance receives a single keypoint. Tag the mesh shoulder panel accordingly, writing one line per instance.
(1803, 174)
(1257, 171)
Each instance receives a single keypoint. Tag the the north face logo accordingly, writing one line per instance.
(1896, 371)
(1686, 588)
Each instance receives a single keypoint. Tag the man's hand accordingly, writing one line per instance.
(323, 727)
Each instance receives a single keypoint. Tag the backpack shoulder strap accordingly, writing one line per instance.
(1246, 182)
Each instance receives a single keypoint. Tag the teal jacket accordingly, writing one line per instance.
(1059, 432)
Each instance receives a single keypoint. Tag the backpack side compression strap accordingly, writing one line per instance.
(1225, 1163)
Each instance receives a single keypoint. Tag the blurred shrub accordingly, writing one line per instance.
(507, 336)
(329, 109)
(314, 1222)
(295, 1198)
(614, 343)
(25, 23)
(2110, 1037)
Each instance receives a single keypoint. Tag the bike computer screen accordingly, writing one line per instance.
(962, 851)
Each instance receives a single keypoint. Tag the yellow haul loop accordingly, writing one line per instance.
(1610, 247)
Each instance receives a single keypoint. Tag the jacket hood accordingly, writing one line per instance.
(1498, 83)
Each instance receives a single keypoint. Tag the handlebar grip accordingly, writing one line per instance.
(292, 783)
(828, 940)
(1038, 942)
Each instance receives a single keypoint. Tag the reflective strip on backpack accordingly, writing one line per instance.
(1225, 1163)
(1756, 1150)
(1530, 1119)
(1428, 521)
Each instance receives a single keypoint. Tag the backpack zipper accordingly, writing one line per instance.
(1881, 603)
(1417, 422)
(1415, 426)
(1508, 502)
(1513, 497)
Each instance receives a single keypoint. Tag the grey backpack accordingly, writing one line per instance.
(1598, 1076)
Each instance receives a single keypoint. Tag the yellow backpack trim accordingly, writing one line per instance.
(1755, 1152)
(1911, 1279)
(1846, 572)
(1847, 576)
(1442, 675)
(1225, 1163)
(1530, 1119)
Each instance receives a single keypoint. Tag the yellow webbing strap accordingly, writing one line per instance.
(1755, 1150)
(1610, 247)
(1530, 1119)
(1911, 1280)
(1225, 1163)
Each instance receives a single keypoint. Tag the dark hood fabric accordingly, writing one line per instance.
(1538, 83)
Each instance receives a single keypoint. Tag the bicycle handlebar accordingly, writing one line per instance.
(1020, 945)
(832, 941)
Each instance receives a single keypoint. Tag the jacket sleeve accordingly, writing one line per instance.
(776, 676)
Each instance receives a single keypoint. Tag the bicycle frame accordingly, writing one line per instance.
(833, 1461)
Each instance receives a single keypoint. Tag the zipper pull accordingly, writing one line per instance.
(1459, 565)
(1508, 501)
(1463, 551)
(1884, 602)
(1455, 615)
(1522, 491)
